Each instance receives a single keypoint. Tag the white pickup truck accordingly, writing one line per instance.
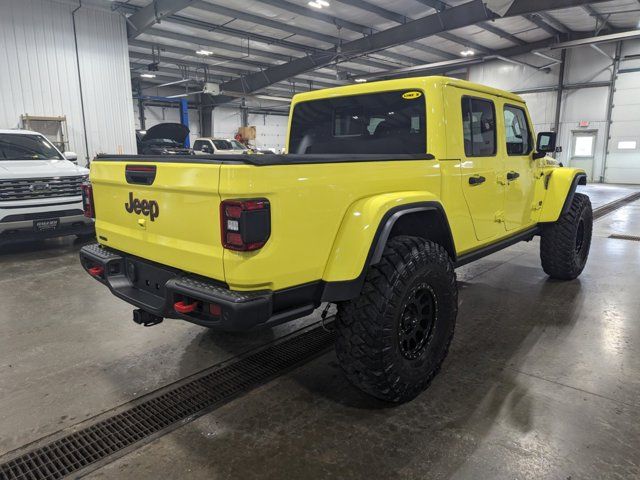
(40, 189)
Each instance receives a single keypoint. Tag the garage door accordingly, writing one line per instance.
(623, 161)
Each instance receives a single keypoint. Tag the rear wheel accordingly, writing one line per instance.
(393, 338)
(565, 244)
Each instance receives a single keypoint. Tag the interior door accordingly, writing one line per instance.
(519, 176)
(481, 165)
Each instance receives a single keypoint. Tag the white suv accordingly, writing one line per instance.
(40, 189)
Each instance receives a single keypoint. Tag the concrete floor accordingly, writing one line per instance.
(542, 380)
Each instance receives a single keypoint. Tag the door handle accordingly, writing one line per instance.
(512, 176)
(476, 180)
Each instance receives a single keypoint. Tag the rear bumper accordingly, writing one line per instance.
(156, 289)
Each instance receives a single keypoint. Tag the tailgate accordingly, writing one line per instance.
(165, 212)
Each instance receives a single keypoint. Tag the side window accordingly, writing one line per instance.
(478, 127)
(198, 144)
(516, 131)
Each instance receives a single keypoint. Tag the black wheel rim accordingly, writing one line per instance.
(580, 236)
(418, 318)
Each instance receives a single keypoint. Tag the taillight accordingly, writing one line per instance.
(87, 200)
(246, 224)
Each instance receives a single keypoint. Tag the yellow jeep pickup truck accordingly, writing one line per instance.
(386, 188)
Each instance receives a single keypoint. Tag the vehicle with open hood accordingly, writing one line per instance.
(164, 139)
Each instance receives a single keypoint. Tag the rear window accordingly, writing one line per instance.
(376, 123)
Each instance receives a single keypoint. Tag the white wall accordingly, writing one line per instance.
(40, 71)
(584, 105)
(623, 166)
(271, 130)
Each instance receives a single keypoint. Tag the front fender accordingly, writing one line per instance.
(561, 184)
(359, 229)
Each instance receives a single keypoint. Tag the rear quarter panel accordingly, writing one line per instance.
(308, 206)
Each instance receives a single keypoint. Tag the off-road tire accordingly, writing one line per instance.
(564, 247)
(413, 278)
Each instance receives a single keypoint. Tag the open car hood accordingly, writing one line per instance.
(171, 131)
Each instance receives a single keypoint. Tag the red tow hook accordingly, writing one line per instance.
(182, 307)
(96, 271)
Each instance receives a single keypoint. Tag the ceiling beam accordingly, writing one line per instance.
(437, 5)
(464, 42)
(489, 27)
(218, 57)
(506, 54)
(440, 6)
(464, 15)
(153, 13)
(539, 22)
(212, 68)
(601, 22)
(354, 27)
(168, 74)
(243, 34)
(546, 16)
(206, 42)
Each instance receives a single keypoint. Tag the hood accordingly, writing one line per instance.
(172, 131)
(10, 169)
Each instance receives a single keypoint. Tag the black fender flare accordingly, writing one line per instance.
(349, 289)
(578, 179)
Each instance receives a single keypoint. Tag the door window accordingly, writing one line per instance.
(478, 127)
(516, 131)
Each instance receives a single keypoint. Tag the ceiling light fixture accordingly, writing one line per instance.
(203, 52)
(467, 53)
(318, 3)
(148, 75)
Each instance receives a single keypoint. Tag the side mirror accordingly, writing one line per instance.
(206, 149)
(71, 156)
(546, 143)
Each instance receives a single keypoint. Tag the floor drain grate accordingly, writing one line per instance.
(633, 238)
(80, 449)
(615, 205)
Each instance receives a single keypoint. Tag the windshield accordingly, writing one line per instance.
(376, 123)
(17, 146)
(237, 145)
(223, 144)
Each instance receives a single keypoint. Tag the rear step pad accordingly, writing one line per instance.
(113, 436)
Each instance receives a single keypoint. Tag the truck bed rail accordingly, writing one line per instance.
(266, 159)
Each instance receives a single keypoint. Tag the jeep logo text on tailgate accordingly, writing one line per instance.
(148, 208)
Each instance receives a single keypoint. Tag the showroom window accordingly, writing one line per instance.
(478, 127)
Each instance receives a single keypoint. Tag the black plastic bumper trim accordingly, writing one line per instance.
(155, 288)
